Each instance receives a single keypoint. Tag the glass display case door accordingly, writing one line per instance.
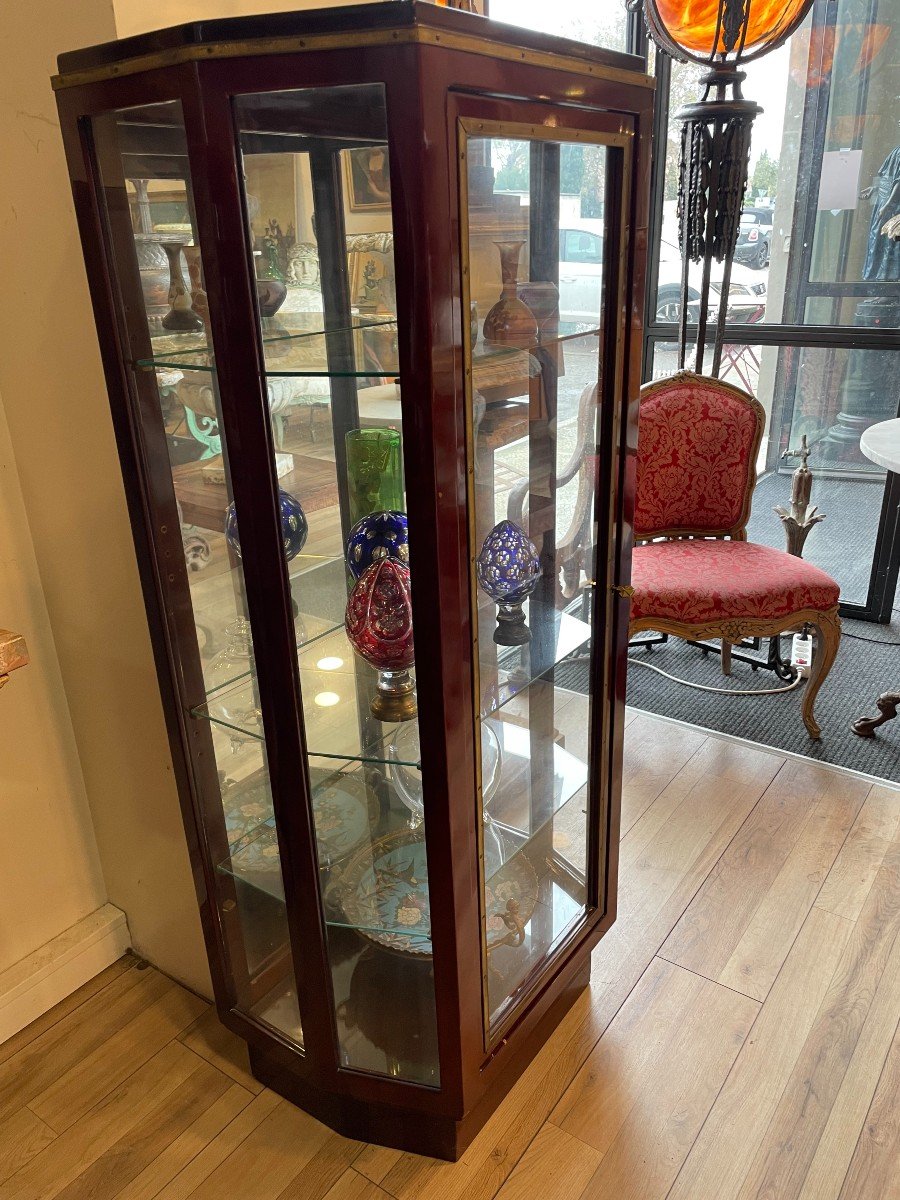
(144, 177)
(543, 367)
(317, 199)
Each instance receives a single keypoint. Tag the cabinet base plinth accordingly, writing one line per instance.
(413, 1130)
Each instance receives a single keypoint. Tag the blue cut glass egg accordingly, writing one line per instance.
(378, 535)
(508, 566)
(294, 526)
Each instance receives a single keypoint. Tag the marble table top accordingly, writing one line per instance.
(881, 443)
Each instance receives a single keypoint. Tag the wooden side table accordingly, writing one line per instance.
(881, 444)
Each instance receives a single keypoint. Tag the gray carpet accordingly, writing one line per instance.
(843, 543)
(860, 673)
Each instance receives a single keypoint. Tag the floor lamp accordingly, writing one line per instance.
(721, 35)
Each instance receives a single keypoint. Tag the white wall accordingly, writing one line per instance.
(58, 415)
(48, 855)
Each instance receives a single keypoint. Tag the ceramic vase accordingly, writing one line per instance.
(199, 302)
(510, 322)
(270, 294)
(508, 569)
(378, 535)
(294, 526)
(181, 317)
(379, 626)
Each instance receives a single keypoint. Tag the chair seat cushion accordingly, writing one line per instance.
(701, 582)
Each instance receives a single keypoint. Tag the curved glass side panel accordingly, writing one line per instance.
(318, 202)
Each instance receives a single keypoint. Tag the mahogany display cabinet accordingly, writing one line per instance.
(373, 379)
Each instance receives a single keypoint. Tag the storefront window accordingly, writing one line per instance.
(815, 270)
(824, 177)
(598, 24)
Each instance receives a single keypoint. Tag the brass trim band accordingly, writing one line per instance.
(346, 41)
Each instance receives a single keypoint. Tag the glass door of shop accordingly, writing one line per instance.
(813, 314)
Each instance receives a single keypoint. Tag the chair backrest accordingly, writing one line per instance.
(698, 440)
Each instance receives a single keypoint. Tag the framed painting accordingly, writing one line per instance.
(367, 181)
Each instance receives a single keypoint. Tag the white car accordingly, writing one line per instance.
(746, 291)
(581, 277)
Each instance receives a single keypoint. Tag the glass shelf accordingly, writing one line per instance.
(332, 677)
(529, 795)
(293, 344)
(506, 671)
(343, 807)
(320, 612)
(342, 804)
(346, 811)
(493, 351)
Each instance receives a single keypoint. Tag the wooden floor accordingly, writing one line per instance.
(740, 1039)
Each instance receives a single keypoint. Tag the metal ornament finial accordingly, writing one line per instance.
(800, 518)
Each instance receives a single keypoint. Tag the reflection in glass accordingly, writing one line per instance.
(537, 280)
(176, 382)
(809, 386)
(600, 25)
(318, 188)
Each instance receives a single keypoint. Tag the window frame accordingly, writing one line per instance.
(799, 288)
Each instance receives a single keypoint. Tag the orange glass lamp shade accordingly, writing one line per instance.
(706, 30)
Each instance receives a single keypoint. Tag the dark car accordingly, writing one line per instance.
(754, 241)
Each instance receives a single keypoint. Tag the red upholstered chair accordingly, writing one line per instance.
(694, 574)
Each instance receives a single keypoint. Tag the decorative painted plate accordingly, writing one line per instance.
(339, 810)
(384, 894)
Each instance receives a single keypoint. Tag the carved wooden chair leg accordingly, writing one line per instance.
(887, 705)
(726, 657)
(828, 637)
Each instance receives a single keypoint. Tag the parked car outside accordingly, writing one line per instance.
(746, 291)
(754, 243)
(581, 277)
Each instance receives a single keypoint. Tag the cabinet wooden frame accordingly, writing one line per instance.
(437, 68)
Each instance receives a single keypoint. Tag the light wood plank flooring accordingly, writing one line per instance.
(739, 1041)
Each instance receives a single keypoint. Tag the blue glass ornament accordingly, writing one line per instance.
(294, 526)
(508, 569)
(378, 535)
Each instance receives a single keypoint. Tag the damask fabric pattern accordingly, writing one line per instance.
(693, 459)
(698, 582)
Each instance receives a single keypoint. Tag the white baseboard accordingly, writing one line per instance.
(34, 984)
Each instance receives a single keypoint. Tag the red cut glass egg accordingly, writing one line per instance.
(379, 616)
